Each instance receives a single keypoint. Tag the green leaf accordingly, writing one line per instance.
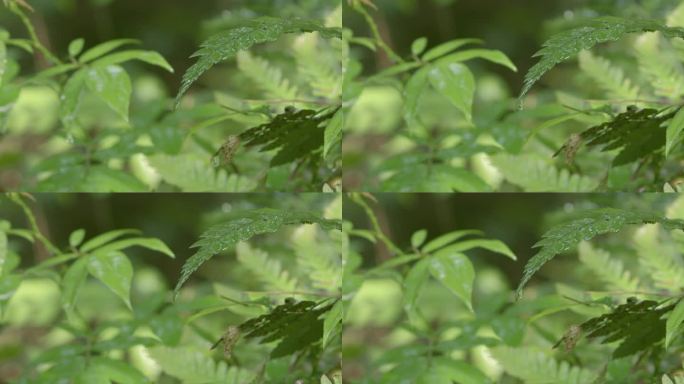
(333, 133)
(71, 98)
(447, 239)
(674, 131)
(149, 57)
(332, 322)
(72, 281)
(112, 84)
(455, 271)
(456, 83)
(76, 237)
(592, 223)
(418, 238)
(76, 46)
(106, 237)
(105, 370)
(8, 285)
(533, 365)
(533, 173)
(168, 327)
(495, 246)
(145, 242)
(448, 47)
(115, 271)
(675, 323)
(3, 60)
(242, 226)
(450, 371)
(433, 179)
(103, 49)
(492, 55)
(413, 90)
(413, 284)
(3, 252)
(567, 44)
(225, 45)
(295, 134)
(418, 46)
(191, 365)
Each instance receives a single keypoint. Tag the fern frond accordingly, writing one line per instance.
(268, 270)
(611, 79)
(611, 271)
(567, 44)
(320, 261)
(533, 366)
(192, 366)
(662, 263)
(592, 223)
(267, 77)
(662, 70)
(323, 76)
(227, 44)
(534, 174)
(192, 174)
(242, 226)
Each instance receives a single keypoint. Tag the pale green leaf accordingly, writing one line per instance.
(456, 83)
(109, 370)
(104, 48)
(413, 284)
(413, 90)
(115, 271)
(112, 84)
(675, 323)
(492, 55)
(418, 238)
(448, 47)
(3, 60)
(76, 237)
(455, 271)
(3, 251)
(76, 46)
(72, 281)
(149, 57)
(106, 237)
(418, 46)
(332, 322)
(145, 242)
(674, 131)
(447, 239)
(492, 245)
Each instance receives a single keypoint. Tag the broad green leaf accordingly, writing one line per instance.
(418, 238)
(674, 131)
(456, 83)
(9, 94)
(76, 237)
(3, 252)
(112, 84)
(70, 99)
(71, 283)
(412, 92)
(145, 242)
(104, 48)
(149, 57)
(675, 323)
(106, 237)
(495, 246)
(8, 285)
(418, 46)
(494, 56)
(115, 271)
(333, 132)
(565, 45)
(413, 284)
(447, 239)
(76, 46)
(455, 271)
(242, 226)
(332, 322)
(447, 47)
(225, 45)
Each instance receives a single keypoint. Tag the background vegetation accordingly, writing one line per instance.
(100, 311)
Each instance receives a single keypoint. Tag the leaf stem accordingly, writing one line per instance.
(376, 226)
(34, 37)
(34, 226)
(376, 34)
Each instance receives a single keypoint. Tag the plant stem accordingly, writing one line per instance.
(34, 37)
(34, 226)
(376, 35)
(376, 226)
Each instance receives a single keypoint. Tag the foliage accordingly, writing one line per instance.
(460, 129)
(107, 126)
(125, 328)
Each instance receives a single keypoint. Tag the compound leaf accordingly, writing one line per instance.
(225, 45)
(592, 223)
(567, 44)
(243, 226)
